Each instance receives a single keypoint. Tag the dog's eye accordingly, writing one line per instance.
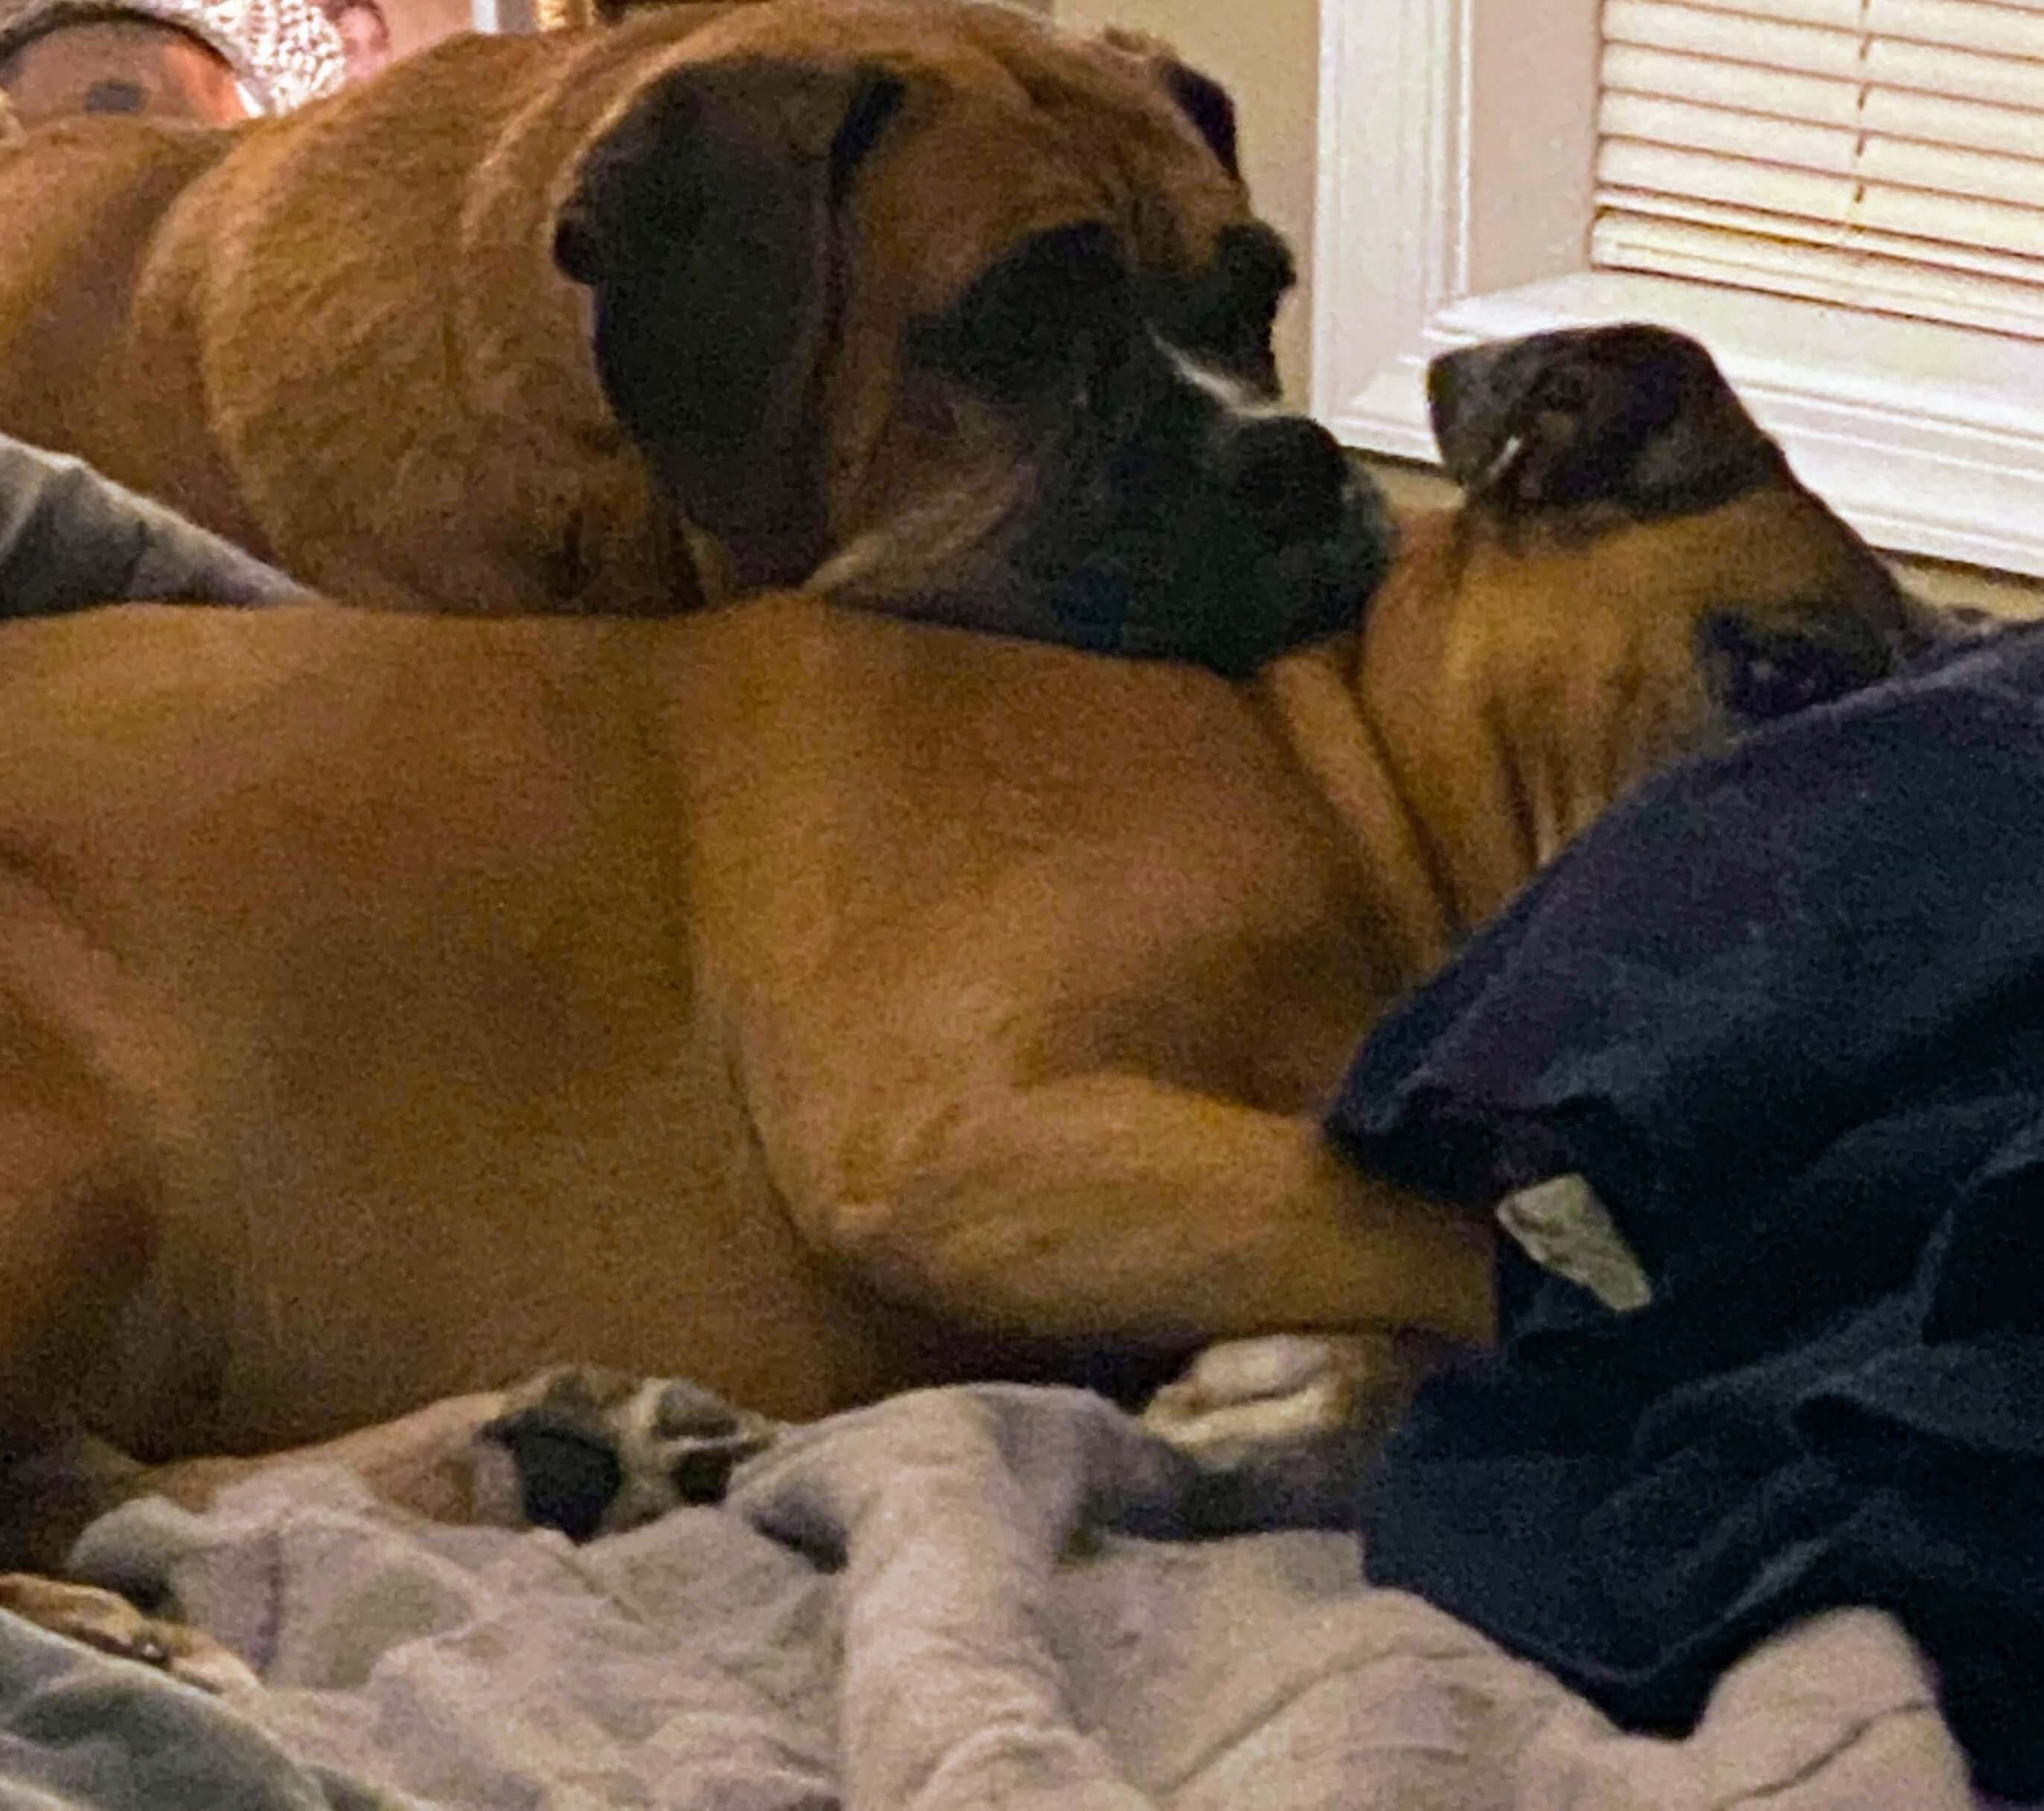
(1039, 322)
(1759, 675)
(1243, 325)
(1225, 315)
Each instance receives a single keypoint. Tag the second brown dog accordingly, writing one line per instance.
(806, 1002)
(973, 310)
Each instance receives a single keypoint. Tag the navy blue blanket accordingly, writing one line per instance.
(1784, 1010)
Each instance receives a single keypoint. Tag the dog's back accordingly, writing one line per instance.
(125, 249)
(460, 994)
(80, 203)
(390, 1005)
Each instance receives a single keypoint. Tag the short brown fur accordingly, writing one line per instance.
(806, 1002)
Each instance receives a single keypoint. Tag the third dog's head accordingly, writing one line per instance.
(950, 314)
(1634, 576)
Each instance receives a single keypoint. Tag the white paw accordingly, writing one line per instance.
(1249, 1397)
(678, 1444)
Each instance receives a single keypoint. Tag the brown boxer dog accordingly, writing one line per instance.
(972, 310)
(806, 1001)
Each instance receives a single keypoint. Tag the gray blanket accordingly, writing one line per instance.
(899, 1609)
(70, 538)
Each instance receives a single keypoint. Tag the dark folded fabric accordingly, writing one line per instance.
(1785, 1011)
(70, 538)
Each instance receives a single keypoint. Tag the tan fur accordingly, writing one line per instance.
(341, 338)
(802, 1001)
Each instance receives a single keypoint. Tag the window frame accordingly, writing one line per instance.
(1456, 143)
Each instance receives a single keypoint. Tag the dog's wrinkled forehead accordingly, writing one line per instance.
(1000, 125)
(1634, 416)
(1123, 113)
(967, 172)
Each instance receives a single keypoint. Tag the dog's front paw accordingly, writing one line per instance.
(593, 1451)
(109, 1622)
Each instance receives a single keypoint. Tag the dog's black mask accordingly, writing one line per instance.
(1176, 508)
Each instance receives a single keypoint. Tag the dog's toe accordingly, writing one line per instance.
(595, 1452)
(683, 1410)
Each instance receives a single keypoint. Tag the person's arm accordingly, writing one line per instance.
(70, 538)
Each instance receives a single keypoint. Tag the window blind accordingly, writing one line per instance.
(1883, 154)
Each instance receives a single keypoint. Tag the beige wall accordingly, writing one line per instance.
(1265, 53)
(414, 24)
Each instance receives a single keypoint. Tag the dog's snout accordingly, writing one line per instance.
(1289, 474)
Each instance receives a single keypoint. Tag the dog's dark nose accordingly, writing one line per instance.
(1289, 474)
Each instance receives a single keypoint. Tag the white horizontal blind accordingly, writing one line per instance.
(1883, 154)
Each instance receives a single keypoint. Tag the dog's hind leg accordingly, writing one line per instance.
(504, 1457)
(76, 1236)
(574, 1447)
(430, 1463)
(437, 1462)
(79, 1190)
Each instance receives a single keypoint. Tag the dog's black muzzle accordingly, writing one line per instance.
(1198, 528)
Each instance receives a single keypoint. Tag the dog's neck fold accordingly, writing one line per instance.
(1507, 710)
(1312, 696)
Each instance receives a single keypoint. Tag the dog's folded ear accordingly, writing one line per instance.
(1633, 415)
(702, 222)
(1201, 99)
